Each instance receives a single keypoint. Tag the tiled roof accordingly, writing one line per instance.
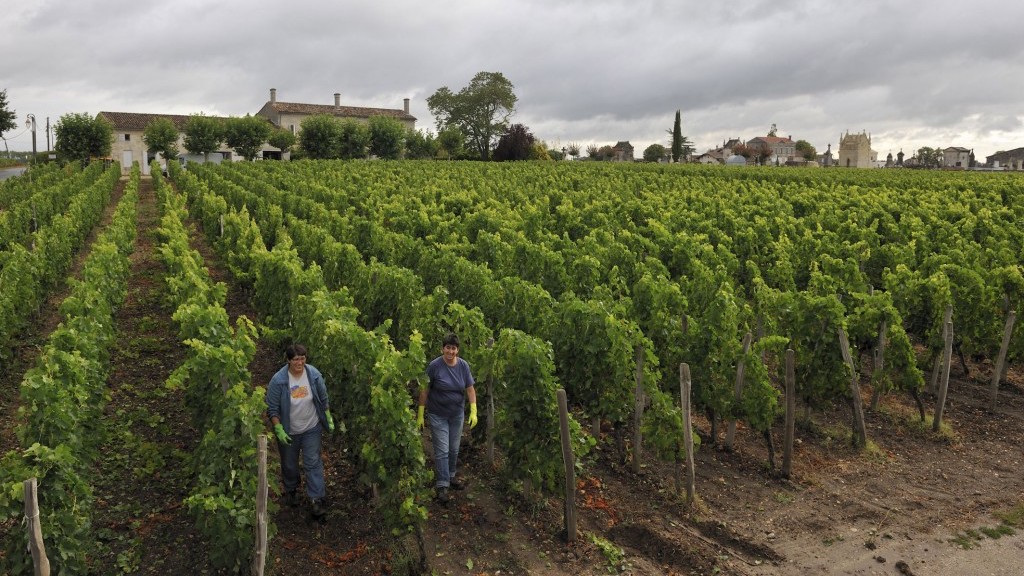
(342, 111)
(772, 139)
(135, 121)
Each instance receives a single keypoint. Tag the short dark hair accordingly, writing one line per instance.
(450, 339)
(294, 350)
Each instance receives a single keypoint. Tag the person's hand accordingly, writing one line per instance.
(330, 422)
(282, 436)
(419, 417)
(472, 415)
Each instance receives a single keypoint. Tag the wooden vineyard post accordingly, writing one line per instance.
(570, 467)
(35, 530)
(879, 361)
(997, 371)
(731, 430)
(638, 413)
(787, 442)
(259, 557)
(860, 433)
(940, 404)
(933, 386)
(684, 399)
(489, 426)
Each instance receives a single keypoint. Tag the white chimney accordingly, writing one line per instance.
(337, 100)
(406, 101)
(273, 95)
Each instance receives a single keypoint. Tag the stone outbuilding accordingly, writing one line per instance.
(855, 151)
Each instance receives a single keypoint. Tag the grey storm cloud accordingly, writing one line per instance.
(939, 74)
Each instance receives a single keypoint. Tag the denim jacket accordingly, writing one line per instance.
(279, 400)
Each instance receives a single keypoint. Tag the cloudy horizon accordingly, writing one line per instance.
(592, 72)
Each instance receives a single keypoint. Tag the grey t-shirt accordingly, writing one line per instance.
(302, 417)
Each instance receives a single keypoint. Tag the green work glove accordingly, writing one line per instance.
(472, 415)
(282, 436)
(419, 417)
(330, 422)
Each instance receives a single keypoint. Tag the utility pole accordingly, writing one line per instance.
(30, 122)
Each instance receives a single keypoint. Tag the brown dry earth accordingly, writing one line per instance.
(892, 509)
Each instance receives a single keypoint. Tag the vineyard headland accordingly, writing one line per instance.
(598, 279)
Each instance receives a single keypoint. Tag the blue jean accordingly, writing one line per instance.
(309, 444)
(445, 435)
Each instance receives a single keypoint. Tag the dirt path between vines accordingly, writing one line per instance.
(46, 319)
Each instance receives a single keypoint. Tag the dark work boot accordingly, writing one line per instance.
(319, 509)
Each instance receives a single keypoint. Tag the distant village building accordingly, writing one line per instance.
(778, 149)
(1006, 159)
(128, 128)
(735, 160)
(956, 157)
(720, 154)
(899, 158)
(888, 160)
(622, 152)
(855, 151)
(826, 160)
(289, 115)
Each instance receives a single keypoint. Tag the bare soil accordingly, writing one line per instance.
(905, 505)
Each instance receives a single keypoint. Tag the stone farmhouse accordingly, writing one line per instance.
(780, 149)
(128, 145)
(1006, 159)
(622, 152)
(956, 157)
(289, 115)
(128, 128)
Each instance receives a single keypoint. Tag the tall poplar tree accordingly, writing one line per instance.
(677, 138)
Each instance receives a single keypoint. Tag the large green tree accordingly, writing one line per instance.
(247, 134)
(354, 139)
(161, 136)
(481, 110)
(320, 137)
(81, 136)
(420, 144)
(452, 141)
(805, 150)
(929, 157)
(654, 153)
(387, 137)
(282, 139)
(203, 134)
(7, 117)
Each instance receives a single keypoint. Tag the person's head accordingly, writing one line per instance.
(296, 355)
(450, 339)
(294, 350)
(450, 347)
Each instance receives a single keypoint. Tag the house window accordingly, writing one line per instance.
(127, 137)
(292, 126)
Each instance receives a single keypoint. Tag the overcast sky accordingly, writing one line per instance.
(939, 73)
